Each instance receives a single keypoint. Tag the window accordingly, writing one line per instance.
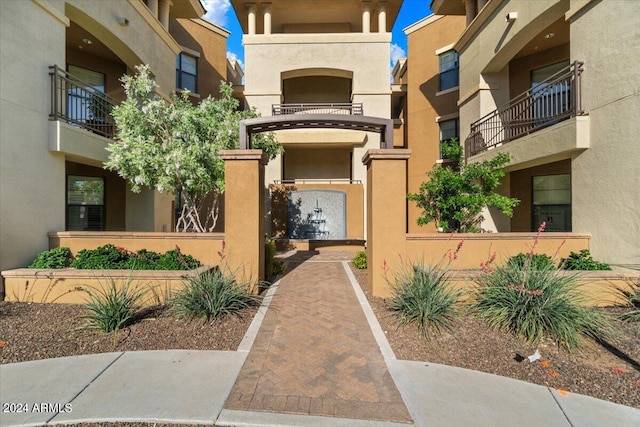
(187, 72)
(81, 102)
(448, 130)
(552, 202)
(85, 203)
(550, 100)
(448, 69)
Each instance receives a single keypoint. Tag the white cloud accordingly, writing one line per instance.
(233, 56)
(217, 11)
(396, 53)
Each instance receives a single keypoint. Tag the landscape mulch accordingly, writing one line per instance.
(609, 370)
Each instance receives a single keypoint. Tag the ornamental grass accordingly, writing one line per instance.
(534, 303)
(112, 307)
(422, 296)
(212, 294)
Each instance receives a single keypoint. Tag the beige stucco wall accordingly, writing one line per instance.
(32, 150)
(149, 210)
(143, 41)
(489, 44)
(31, 178)
(70, 286)
(316, 89)
(476, 248)
(202, 246)
(606, 177)
(310, 163)
(602, 146)
(364, 56)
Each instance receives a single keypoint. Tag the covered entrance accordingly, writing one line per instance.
(317, 196)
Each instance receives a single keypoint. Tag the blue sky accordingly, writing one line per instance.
(221, 13)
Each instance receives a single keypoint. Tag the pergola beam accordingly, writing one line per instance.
(379, 125)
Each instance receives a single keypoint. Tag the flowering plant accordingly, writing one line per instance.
(535, 301)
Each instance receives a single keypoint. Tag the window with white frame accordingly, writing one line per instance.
(448, 131)
(448, 69)
(187, 72)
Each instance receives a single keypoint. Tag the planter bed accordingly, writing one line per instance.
(66, 285)
(599, 287)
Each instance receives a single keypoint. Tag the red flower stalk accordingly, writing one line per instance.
(535, 241)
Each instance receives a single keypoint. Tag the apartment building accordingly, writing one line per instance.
(554, 83)
(431, 99)
(319, 73)
(60, 69)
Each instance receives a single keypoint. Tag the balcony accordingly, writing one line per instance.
(347, 108)
(554, 100)
(78, 104)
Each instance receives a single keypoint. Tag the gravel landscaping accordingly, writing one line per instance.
(609, 371)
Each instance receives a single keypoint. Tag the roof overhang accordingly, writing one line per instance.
(448, 7)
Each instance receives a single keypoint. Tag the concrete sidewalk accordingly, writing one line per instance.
(202, 387)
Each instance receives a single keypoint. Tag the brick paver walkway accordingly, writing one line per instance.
(315, 353)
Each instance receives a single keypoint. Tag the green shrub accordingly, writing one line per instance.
(143, 260)
(53, 258)
(106, 257)
(535, 261)
(420, 295)
(110, 257)
(210, 295)
(112, 307)
(582, 261)
(272, 266)
(360, 260)
(534, 303)
(176, 260)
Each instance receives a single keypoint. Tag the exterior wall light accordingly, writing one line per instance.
(511, 16)
(122, 21)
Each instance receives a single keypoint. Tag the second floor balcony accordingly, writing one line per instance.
(546, 104)
(80, 121)
(347, 108)
(79, 104)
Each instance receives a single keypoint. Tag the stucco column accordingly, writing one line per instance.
(266, 15)
(470, 9)
(153, 7)
(251, 18)
(244, 213)
(386, 215)
(382, 17)
(163, 12)
(366, 16)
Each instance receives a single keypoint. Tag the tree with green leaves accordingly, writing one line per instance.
(455, 194)
(173, 146)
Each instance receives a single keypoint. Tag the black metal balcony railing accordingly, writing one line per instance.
(553, 100)
(347, 108)
(77, 103)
